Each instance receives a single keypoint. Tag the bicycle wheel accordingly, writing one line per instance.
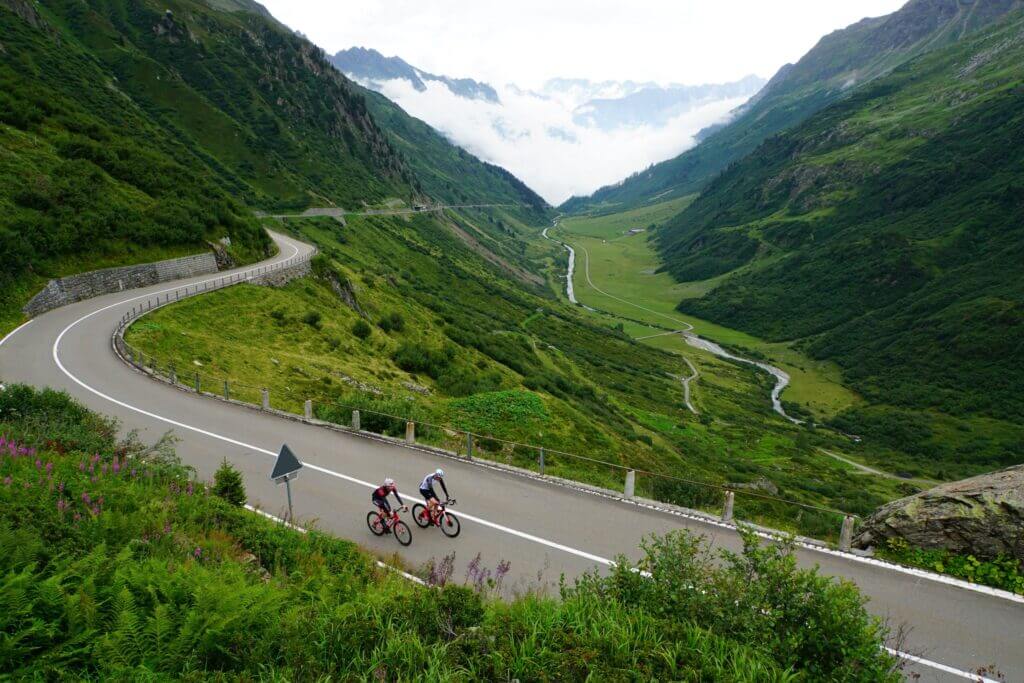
(420, 516)
(450, 526)
(374, 522)
(402, 533)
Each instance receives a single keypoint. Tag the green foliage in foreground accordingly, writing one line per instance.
(116, 563)
(1002, 572)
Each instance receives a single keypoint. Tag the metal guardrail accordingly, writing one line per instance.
(460, 442)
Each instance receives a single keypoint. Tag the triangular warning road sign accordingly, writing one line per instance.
(286, 463)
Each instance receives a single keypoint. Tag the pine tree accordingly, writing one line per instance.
(227, 483)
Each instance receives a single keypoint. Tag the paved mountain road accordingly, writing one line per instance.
(543, 529)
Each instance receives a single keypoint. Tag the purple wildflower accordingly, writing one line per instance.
(133, 473)
(189, 488)
(39, 464)
(95, 510)
(78, 517)
(7, 481)
(85, 497)
(49, 468)
(60, 487)
(167, 527)
(198, 552)
(81, 466)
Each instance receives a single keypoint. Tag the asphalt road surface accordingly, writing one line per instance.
(543, 529)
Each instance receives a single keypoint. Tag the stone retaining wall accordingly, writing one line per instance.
(67, 290)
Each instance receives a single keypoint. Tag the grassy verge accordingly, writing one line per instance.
(1002, 572)
(117, 563)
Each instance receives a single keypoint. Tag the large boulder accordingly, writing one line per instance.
(982, 516)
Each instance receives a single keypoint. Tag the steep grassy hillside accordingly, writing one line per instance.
(87, 177)
(887, 232)
(840, 61)
(118, 564)
(140, 130)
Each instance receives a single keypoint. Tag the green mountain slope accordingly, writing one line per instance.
(840, 61)
(134, 131)
(447, 172)
(887, 232)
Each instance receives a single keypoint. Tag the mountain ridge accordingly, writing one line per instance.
(844, 58)
(884, 233)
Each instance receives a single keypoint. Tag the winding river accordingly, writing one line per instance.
(781, 376)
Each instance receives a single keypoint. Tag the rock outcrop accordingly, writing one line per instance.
(982, 516)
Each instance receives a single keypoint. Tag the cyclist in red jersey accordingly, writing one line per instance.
(380, 496)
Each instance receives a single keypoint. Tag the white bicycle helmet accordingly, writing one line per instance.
(439, 473)
(389, 481)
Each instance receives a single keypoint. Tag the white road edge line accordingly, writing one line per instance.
(941, 667)
(236, 442)
(382, 565)
(15, 330)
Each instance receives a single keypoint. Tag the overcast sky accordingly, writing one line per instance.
(528, 41)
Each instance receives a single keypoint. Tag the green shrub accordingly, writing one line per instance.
(312, 318)
(360, 329)
(228, 484)
(806, 621)
(416, 357)
(392, 322)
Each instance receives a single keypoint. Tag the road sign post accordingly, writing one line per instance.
(286, 468)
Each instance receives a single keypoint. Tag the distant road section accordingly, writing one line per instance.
(338, 212)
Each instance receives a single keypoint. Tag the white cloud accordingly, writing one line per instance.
(536, 138)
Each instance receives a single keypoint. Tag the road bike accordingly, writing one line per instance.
(448, 522)
(381, 523)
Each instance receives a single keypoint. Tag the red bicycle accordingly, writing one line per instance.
(381, 523)
(448, 522)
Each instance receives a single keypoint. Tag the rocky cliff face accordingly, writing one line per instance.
(983, 516)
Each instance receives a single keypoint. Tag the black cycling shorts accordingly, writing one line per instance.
(428, 494)
(382, 503)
